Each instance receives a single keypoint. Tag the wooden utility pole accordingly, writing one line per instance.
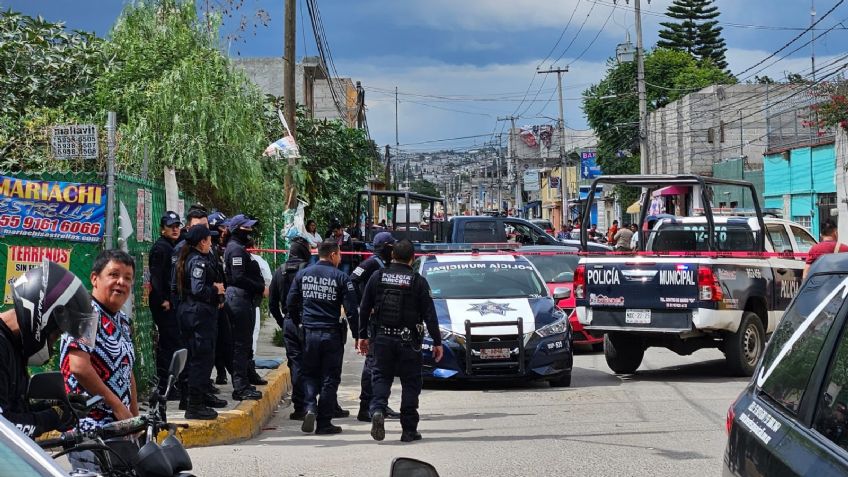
(561, 133)
(290, 103)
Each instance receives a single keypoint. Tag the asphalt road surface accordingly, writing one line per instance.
(668, 419)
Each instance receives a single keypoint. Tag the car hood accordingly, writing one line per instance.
(534, 312)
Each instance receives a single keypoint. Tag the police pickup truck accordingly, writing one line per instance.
(696, 282)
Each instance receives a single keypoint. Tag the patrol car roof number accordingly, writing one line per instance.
(656, 181)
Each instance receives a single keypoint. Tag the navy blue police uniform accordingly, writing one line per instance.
(280, 285)
(198, 309)
(224, 344)
(396, 306)
(245, 287)
(167, 327)
(314, 302)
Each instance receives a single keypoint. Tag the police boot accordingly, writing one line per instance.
(340, 413)
(391, 413)
(196, 409)
(378, 426)
(330, 429)
(409, 436)
(254, 378)
(247, 394)
(363, 415)
(212, 400)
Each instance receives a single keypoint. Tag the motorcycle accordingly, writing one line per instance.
(117, 455)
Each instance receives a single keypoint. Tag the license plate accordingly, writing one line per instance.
(639, 317)
(494, 353)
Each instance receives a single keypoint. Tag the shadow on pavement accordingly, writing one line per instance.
(704, 371)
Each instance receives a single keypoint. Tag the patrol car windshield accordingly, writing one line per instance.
(483, 279)
(555, 268)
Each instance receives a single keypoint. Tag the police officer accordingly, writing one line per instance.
(164, 314)
(245, 286)
(382, 243)
(224, 344)
(298, 259)
(315, 301)
(396, 302)
(199, 287)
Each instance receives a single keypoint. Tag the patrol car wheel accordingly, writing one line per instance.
(623, 354)
(744, 348)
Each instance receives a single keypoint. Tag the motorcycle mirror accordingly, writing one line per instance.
(178, 362)
(50, 386)
(406, 467)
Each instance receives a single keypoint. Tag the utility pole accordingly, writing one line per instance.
(514, 160)
(640, 87)
(397, 142)
(290, 105)
(561, 130)
(388, 167)
(813, 37)
(500, 184)
(109, 232)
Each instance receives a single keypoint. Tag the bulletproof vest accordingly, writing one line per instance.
(395, 307)
(292, 266)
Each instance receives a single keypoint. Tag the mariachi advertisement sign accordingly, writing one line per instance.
(23, 258)
(53, 210)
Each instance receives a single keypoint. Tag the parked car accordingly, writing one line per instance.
(792, 418)
(544, 224)
(21, 456)
(556, 265)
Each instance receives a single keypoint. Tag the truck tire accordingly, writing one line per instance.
(744, 348)
(623, 354)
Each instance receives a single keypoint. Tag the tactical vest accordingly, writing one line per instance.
(395, 307)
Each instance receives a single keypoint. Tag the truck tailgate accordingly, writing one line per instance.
(642, 284)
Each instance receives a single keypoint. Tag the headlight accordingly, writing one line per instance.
(557, 327)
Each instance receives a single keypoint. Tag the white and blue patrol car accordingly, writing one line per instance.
(497, 320)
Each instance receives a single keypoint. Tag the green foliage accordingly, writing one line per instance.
(47, 76)
(425, 187)
(612, 107)
(696, 31)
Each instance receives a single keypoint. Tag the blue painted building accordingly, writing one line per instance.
(801, 182)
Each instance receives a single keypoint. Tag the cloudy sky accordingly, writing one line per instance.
(458, 65)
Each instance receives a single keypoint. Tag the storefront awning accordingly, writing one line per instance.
(671, 190)
(634, 208)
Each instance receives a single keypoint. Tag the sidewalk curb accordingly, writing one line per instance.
(243, 422)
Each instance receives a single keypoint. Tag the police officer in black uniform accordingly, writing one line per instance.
(200, 287)
(397, 304)
(245, 287)
(382, 257)
(164, 314)
(298, 259)
(224, 344)
(314, 302)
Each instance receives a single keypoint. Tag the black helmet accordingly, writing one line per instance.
(50, 297)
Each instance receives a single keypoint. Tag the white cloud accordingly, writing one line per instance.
(514, 15)
(439, 118)
(741, 59)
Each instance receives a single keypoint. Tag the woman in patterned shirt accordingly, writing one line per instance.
(107, 368)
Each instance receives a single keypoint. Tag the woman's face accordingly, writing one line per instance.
(310, 227)
(111, 286)
(205, 245)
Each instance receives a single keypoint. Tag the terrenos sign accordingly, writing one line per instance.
(531, 180)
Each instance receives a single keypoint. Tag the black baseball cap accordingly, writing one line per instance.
(197, 233)
(170, 218)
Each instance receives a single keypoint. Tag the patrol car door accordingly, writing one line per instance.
(787, 270)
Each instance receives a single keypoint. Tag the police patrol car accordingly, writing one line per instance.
(497, 320)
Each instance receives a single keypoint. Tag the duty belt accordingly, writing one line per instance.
(404, 333)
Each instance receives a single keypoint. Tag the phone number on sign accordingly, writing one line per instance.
(49, 225)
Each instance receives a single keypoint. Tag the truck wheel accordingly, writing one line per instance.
(623, 354)
(744, 348)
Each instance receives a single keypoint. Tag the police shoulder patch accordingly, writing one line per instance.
(358, 271)
(197, 272)
(350, 286)
(236, 261)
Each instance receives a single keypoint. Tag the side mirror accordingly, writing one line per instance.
(47, 386)
(406, 467)
(178, 362)
(561, 293)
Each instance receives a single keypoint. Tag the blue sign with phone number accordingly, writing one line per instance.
(589, 169)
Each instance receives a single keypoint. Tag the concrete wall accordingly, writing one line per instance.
(693, 133)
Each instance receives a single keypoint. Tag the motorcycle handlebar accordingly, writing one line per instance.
(63, 439)
(124, 427)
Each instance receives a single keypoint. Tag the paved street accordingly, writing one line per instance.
(667, 420)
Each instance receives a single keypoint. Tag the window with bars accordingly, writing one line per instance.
(803, 220)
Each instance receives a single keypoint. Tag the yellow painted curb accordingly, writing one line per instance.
(243, 422)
